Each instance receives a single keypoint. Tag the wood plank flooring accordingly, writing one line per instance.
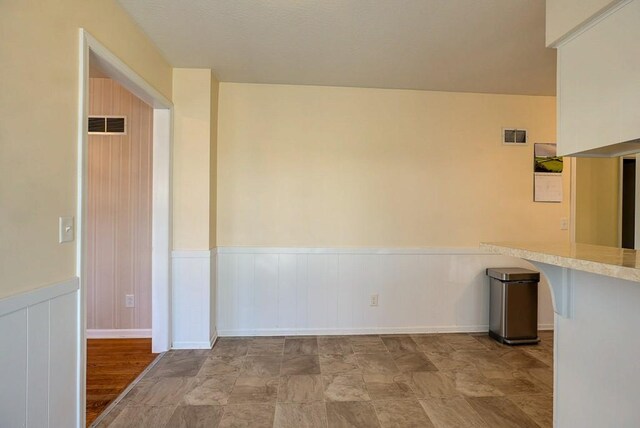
(112, 364)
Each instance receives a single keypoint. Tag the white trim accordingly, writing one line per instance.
(123, 74)
(161, 236)
(118, 333)
(91, 49)
(356, 331)
(23, 300)
(356, 251)
(192, 254)
(589, 23)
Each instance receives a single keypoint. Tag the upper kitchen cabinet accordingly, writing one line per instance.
(599, 82)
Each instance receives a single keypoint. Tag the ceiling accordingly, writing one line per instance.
(493, 46)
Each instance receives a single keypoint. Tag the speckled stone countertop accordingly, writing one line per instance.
(609, 261)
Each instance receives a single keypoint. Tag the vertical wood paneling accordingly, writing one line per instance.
(119, 212)
(38, 365)
(38, 358)
(63, 327)
(268, 292)
(13, 369)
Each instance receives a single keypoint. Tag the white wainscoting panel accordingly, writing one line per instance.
(39, 357)
(267, 291)
(192, 287)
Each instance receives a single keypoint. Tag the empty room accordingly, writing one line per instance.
(319, 213)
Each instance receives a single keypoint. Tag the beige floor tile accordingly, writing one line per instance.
(213, 390)
(401, 414)
(266, 346)
(452, 413)
(300, 389)
(135, 416)
(261, 365)
(249, 389)
(301, 346)
(499, 412)
(432, 384)
(463, 342)
(399, 343)
(381, 363)
(518, 386)
(300, 415)
(388, 387)
(367, 344)
(473, 384)
(161, 391)
(225, 365)
(196, 417)
(413, 362)
(544, 376)
(537, 407)
(520, 359)
(300, 364)
(235, 348)
(542, 354)
(344, 388)
(432, 343)
(339, 363)
(177, 364)
(248, 416)
(351, 414)
(334, 345)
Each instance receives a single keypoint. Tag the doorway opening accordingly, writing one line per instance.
(628, 203)
(123, 226)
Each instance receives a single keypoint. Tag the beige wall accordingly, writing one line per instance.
(195, 94)
(119, 212)
(562, 16)
(38, 130)
(346, 167)
(597, 199)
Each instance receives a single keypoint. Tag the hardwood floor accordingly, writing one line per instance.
(112, 364)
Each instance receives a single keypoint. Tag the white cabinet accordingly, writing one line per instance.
(599, 87)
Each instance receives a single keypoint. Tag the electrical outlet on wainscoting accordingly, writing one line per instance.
(564, 223)
(374, 300)
(129, 301)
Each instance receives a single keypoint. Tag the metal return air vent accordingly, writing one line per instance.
(514, 136)
(107, 125)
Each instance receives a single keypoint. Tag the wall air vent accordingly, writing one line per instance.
(107, 125)
(517, 137)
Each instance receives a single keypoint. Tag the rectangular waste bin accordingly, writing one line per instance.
(513, 313)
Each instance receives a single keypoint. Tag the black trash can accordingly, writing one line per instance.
(513, 313)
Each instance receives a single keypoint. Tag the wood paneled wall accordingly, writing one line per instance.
(119, 212)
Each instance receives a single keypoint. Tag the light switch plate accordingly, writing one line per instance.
(66, 229)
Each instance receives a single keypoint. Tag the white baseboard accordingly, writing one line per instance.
(134, 333)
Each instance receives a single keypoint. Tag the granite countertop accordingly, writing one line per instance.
(609, 261)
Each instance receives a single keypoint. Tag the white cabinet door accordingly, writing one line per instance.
(599, 84)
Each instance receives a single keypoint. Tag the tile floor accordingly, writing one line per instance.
(437, 380)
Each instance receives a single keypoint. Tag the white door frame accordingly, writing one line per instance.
(91, 49)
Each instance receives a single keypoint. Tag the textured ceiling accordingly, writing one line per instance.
(494, 46)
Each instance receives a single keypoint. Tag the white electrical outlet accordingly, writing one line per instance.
(129, 301)
(374, 300)
(564, 223)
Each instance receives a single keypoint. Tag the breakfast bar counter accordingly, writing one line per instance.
(596, 298)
